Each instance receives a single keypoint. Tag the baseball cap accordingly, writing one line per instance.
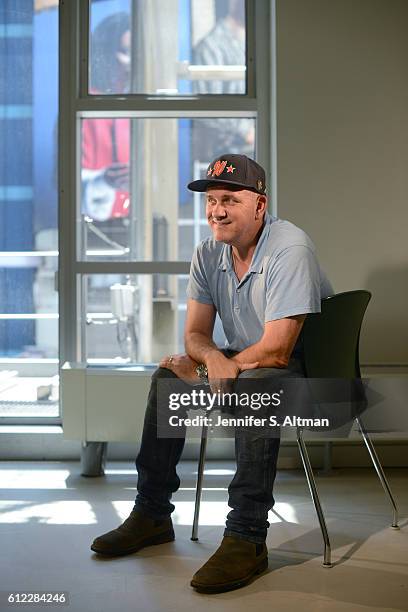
(233, 169)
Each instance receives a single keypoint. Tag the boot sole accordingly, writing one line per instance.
(229, 586)
(162, 538)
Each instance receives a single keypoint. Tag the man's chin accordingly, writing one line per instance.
(221, 235)
(220, 238)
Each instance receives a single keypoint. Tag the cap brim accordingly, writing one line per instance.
(202, 184)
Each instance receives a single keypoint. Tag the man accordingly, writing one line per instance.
(261, 275)
(223, 45)
(105, 141)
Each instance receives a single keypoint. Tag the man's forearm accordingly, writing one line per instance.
(263, 355)
(199, 347)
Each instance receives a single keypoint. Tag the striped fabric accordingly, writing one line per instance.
(222, 46)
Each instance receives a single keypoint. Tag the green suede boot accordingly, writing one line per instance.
(135, 533)
(232, 566)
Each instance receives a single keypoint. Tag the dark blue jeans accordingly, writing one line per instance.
(250, 491)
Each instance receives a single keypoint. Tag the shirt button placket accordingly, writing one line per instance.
(237, 300)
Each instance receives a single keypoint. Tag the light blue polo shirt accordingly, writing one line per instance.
(284, 279)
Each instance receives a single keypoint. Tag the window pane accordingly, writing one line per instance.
(28, 208)
(178, 47)
(135, 318)
(134, 200)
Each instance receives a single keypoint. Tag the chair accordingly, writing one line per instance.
(331, 350)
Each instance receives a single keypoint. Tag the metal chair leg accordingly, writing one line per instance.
(315, 496)
(380, 472)
(199, 486)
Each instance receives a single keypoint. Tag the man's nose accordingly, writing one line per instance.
(218, 211)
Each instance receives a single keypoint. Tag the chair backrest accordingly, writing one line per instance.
(331, 338)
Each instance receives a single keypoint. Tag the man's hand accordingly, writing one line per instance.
(222, 371)
(183, 366)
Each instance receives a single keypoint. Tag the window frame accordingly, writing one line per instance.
(76, 103)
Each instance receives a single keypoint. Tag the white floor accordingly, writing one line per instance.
(50, 515)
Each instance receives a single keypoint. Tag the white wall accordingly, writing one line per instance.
(342, 131)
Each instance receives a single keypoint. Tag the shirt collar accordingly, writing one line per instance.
(258, 256)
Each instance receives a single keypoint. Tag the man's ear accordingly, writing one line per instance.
(261, 202)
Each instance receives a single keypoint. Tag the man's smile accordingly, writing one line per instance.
(220, 222)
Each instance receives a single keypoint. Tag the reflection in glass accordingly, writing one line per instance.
(194, 47)
(134, 200)
(134, 318)
(28, 207)
(223, 44)
(109, 49)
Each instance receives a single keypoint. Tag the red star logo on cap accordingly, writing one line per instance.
(230, 168)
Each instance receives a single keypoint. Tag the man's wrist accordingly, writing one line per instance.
(202, 372)
(210, 354)
(236, 359)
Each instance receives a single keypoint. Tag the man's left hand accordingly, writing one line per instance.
(183, 366)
